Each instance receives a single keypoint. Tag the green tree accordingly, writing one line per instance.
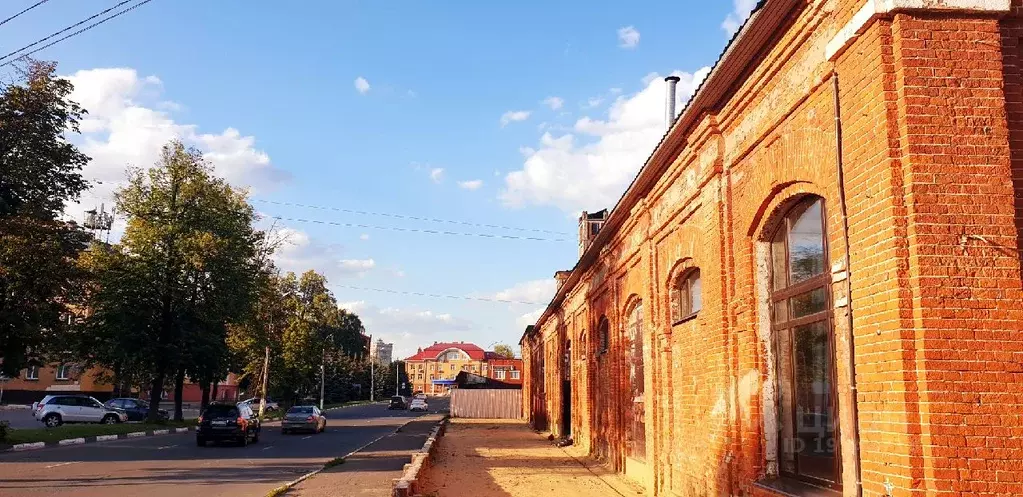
(186, 268)
(504, 351)
(39, 173)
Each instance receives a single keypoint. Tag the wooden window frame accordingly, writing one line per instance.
(781, 297)
(681, 296)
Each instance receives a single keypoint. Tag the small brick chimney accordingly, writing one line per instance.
(561, 277)
(589, 226)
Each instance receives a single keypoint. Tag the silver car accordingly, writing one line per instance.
(303, 418)
(55, 410)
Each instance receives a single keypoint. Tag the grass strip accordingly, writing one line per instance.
(20, 436)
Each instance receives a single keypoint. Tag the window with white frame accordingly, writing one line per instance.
(64, 372)
(515, 375)
(32, 373)
(499, 374)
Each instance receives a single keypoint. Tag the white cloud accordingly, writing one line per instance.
(628, 37)
(299, 253)
(738, 16)
(594, 102)
(361, 85)
(471, 184)
(528, 318)
(535, 291)
(128, 123)
(514, 115)
(409, 327)
(364, 237)
(554, 103)
(591, 174)
(437, 174)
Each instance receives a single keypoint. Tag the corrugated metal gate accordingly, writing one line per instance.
(486, 403)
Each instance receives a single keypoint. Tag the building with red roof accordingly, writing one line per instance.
(434, 369)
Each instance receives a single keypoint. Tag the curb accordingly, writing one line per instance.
(287, 486)
(93, 439)
(407, 485)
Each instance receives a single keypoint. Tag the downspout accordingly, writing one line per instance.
(850, 335)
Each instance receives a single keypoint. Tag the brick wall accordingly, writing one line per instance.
(931, 106)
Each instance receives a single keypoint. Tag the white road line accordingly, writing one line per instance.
(307, 437)
(268, 447)
(61, 464)
(165, 447)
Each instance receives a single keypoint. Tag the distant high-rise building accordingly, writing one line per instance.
(380, 351)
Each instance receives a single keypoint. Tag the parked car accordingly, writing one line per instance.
(226, 422)
(303, 418)
(253, 404)
(398, 402)
(418, 405)
(420, 395)
(136, 409)
(55, 410)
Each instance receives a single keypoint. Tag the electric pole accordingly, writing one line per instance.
(396, 378)
(266, 375)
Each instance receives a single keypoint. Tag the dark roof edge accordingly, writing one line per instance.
(740, 50)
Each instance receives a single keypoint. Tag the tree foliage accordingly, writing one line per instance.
(504, 351)
(185, 269)
(39, 172)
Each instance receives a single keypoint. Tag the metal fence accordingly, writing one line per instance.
(486, 403)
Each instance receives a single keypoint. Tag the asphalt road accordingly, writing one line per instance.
(173, 465)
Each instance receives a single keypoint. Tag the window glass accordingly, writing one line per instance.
(301, 410)
(221, 411)
(32, 373)
(809, 303)
(806, 244)
(695, 292)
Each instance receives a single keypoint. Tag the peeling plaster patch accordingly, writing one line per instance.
(769, 392)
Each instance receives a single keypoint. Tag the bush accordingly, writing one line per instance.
(5, 428)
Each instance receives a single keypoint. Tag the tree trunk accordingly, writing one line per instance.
(205, 396)
(155, 393)
(179, 389)
(215, 385)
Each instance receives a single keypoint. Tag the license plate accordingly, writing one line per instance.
(219, 423)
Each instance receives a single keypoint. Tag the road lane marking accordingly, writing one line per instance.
(61, 464)
(166, 447)
(268, 447)
(307, 437)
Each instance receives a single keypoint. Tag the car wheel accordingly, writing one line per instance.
(110, 419)
(200, 441)
(52, 420)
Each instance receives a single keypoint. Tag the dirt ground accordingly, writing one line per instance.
(504, 458)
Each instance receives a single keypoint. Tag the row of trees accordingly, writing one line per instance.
(189, 292)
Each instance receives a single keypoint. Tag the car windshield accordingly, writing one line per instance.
(301, 410)
(221, 412)
(396, 399)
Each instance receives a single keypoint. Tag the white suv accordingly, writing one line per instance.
(55, 410)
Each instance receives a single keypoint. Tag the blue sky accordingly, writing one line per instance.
(515, 114)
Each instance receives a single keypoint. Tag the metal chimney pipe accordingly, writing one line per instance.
(669, 104)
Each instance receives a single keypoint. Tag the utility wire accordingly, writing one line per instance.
(436, 295)
(419, 230)
(80, 31)
(40, 2)
(403, 216)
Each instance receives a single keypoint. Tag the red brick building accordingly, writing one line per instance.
(814, 282)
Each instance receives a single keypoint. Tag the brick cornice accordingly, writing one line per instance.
(875, 9)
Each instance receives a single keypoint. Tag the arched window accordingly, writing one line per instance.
(603, 336)
(686, 295)
(803, 338)
(636, 431)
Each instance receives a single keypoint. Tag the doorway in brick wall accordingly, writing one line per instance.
(635, 427)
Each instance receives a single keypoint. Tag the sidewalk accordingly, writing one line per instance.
(371, 471)
(504, 458)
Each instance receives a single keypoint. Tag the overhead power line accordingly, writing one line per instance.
(30, 7)
(76, 33)
(437, 295)
(420, 230)
(403, 216)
